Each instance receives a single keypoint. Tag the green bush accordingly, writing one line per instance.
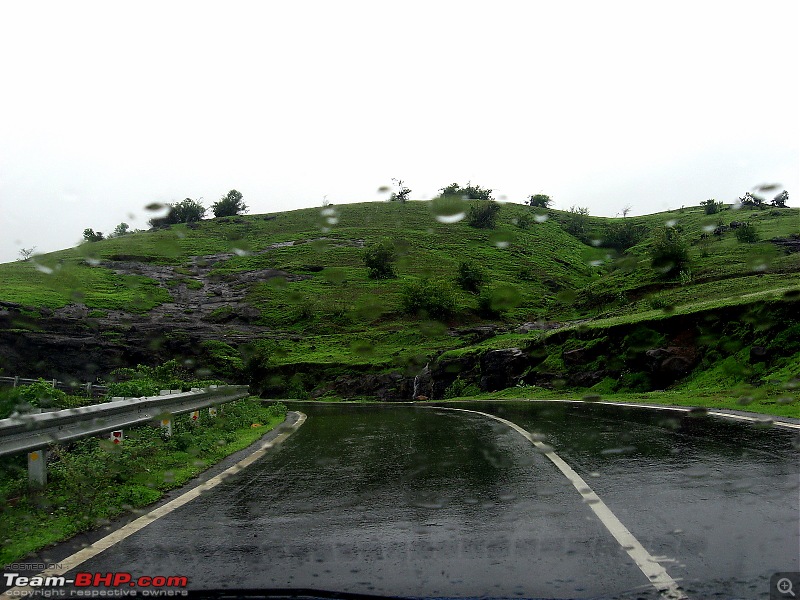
(434, 299)
(379, 259)
(483, 215)
(460, 389)
(669, 253)
(470, 277)
(229, 205)
(747, 233)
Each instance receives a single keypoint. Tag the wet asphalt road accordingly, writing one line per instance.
(413, 501)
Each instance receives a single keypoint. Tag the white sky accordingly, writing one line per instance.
(109, 106)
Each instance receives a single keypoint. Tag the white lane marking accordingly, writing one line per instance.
(762, 419)
(129, 529)
(652, 569)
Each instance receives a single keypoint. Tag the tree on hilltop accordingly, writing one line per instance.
(229, 205)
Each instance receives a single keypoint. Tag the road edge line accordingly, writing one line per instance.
(103, 544)
(656, 574)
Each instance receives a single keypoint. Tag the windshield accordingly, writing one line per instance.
(419, 301)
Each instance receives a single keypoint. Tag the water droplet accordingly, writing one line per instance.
(328, 212)
(671, 223)
(745, 400)
(501, 239)
(241, 252)
(43, 269)
(541, 218)
(448, 209)
(596, 263)
(709, 228)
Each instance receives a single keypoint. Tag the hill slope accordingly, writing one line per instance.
(285, 300)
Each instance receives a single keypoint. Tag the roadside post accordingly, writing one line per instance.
(37, 468)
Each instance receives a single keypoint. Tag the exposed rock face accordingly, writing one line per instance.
(501, 369)
(667, 365)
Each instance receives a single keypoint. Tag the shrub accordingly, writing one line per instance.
(470, 277)
(621, 235)
(229, 205)
(539, 200)
(577, 222)
(378, 259)
(461, 388)
(711, 206)
(493, 302)
(669, 253)
(468, 192)
(747, 233)
(434, 299)
(483, 215)
(186, 211)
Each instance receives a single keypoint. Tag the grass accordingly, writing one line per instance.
(92, 481)
(335, 317)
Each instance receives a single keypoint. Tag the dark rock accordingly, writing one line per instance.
(736, 224)
(501, 368)
(667, 365)
(759, 354)
(587, 378)
(575, 357)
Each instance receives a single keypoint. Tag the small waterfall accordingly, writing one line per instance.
(424, 371)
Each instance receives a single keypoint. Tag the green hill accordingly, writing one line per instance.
(284, 300)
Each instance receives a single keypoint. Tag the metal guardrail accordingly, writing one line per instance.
(89, 388)
(25, 433)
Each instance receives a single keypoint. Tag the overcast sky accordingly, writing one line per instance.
(110, 106)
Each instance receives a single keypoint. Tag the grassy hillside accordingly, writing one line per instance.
(291, 289)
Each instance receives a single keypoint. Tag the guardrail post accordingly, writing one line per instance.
(212, 411)
(166, 427)
(194, 416)
(37, 468)
(16, 380)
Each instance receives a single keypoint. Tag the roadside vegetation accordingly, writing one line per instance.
(93, 480)
(355, 300)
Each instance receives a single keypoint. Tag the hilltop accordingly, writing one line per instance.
(284, 301)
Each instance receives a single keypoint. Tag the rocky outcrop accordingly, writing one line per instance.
(501, 369)
(667, 365)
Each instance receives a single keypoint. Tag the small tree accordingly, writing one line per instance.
(711, 206)
(752, 201)
(781, 199)
(89, 235)
(402, 192)
(469, 192)
(26, 253)
(746, 233)
(186, 211)
(539, 201)
(229, 205)
(470, 277)
(577, 222)
(120, 230)
(669, 254)
(379, 259)
(483, 215)
(430, 299)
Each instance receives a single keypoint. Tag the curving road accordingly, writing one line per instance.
(426, 501)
